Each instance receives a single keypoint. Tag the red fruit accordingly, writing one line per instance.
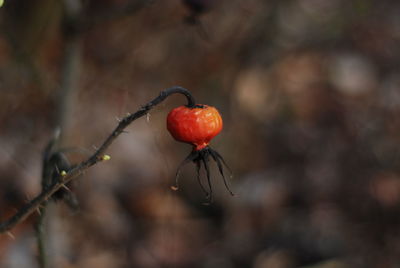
(196, 126)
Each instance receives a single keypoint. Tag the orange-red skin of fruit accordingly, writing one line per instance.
(196, 126)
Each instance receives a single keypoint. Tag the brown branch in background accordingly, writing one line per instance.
(40, 236)
(98, 156)
(71, 63)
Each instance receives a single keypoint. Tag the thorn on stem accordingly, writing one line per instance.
(65, 187)
(174, 188)
(10, 235)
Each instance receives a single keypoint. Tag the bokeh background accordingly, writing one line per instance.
(310, 95)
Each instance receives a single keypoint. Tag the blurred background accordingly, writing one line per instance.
(310, 95)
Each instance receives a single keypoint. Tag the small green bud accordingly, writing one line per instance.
(105, 157)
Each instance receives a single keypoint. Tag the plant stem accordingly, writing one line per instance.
(35, 203)
(72, 10)
(71, 63)
(40, 236)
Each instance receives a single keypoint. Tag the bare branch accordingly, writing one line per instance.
(39, 227)
(35, 203)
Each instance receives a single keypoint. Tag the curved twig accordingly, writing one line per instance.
(35, 203)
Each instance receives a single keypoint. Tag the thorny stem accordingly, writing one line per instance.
(34, 204)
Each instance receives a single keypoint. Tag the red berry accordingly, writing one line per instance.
(196, 126)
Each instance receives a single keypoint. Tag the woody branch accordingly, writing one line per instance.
(97, 157)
